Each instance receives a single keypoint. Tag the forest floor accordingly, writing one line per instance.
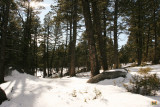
(25, 90)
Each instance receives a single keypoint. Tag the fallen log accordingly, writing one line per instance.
(107, 75)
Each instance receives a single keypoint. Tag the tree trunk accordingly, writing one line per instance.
(73, 43)
(66, 55)
(139, 34)
(105, 34)
(30, 71)
(98, 32)
(48, 71)
(147, 47)
(91, 41)
(27, 43)
(155, 61)
(52, 57)
(44, 58)
(70, 42)
(35, 52)
(116, 61)
(3, 39)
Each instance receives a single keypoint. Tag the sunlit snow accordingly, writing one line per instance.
(24, 90)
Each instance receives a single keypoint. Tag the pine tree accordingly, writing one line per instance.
(4, 28)
(73, 42)
(116, 61)
(91, 39)
(98, 32)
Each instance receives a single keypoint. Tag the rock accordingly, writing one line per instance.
(107, 75)
(3, 96)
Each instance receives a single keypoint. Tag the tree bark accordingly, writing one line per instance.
(116, 61)
(155, 61)
(98, 32)
(139, 34)
(73, 43)
(147, 47)
(44, 58)
(48, 33)
(105, 34)
(70, 40)
(35, 52)
(91, 41)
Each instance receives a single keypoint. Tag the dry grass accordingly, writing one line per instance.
(144, 70)
(145, 85)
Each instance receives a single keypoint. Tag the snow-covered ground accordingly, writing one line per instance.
(24, 90)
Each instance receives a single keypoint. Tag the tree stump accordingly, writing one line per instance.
(107, 75)
(3, 96)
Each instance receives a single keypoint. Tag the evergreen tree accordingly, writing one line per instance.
(5, 9)
(91, 40)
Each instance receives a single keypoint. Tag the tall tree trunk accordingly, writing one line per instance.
(30, 62)
(70, 40)
(116, 61)
(104, 32)
(44, 58)
(3, 39)
(35, 51)
(155, 61)
(27, 43)
(52, 56)
(73, 43)
(65, 53)
(98, 32)
(147, 47)
(91, 41)
(48, 71)
(67, 36)
(139, 33)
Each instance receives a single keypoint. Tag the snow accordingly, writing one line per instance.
(25, 90)
(113, 70)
